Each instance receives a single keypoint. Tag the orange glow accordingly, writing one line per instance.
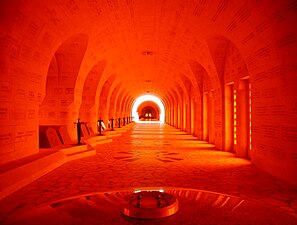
(149, 98)
(235, 119)
(250, 116)
(188, 64)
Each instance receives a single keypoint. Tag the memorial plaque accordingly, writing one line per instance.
(294, 158)
(256, 94)
(65, 135)
(58, 90)
(275, 72)
(31, 96)
(6, 138)
(256, 129)
(53, 137)
(269, 92)
(20, 137)
(91, 132)
(248, 38)
(286, 41)
(63, 102)
(222, 6)
(278, 110)
(232, 26)
(262, 149)
(289, 133)
(278, 152)
(271, 131)
(261, 27)
(3, 114)
(244, 12)
(199, 8)
(5, 90)
(261, 110)
(35, 78)
(69, 91)
(25, 136)
(84, 129)
(264, 52)
(20, 94)
(31, 114)
(64, 114)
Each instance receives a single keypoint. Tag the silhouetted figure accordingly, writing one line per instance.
(100, 126)
(78, 127)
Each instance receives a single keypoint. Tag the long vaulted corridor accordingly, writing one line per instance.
(154, 156)
(195, 97)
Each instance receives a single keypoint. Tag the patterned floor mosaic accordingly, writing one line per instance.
(154, 155)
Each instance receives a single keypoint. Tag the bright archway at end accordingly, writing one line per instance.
(145, 98)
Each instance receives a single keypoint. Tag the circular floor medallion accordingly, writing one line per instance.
(149, 205)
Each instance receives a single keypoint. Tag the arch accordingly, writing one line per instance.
(113, 97)
(105, 91)
(60, 82)
(87, 110)
(145, 98)
(119, 99)
(149, 110)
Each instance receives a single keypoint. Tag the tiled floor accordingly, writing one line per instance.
(154, 155)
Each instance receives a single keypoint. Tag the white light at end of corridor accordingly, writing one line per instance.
(145, 98)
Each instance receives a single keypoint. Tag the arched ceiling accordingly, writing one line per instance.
(148, 44)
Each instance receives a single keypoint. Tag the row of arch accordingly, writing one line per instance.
(60, 63)
(196, 102)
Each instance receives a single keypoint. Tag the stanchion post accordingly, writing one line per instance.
(78, 129)
(100, 126)
(112, 119)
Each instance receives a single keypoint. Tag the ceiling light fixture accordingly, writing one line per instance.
(147, 53)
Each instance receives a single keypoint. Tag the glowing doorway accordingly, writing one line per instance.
(145, 98)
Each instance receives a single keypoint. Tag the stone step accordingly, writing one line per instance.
(96, 139)
(95, 143)
(19, 177)
(81, 154)
(121, 130)
(111, 134)
(74, 149)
